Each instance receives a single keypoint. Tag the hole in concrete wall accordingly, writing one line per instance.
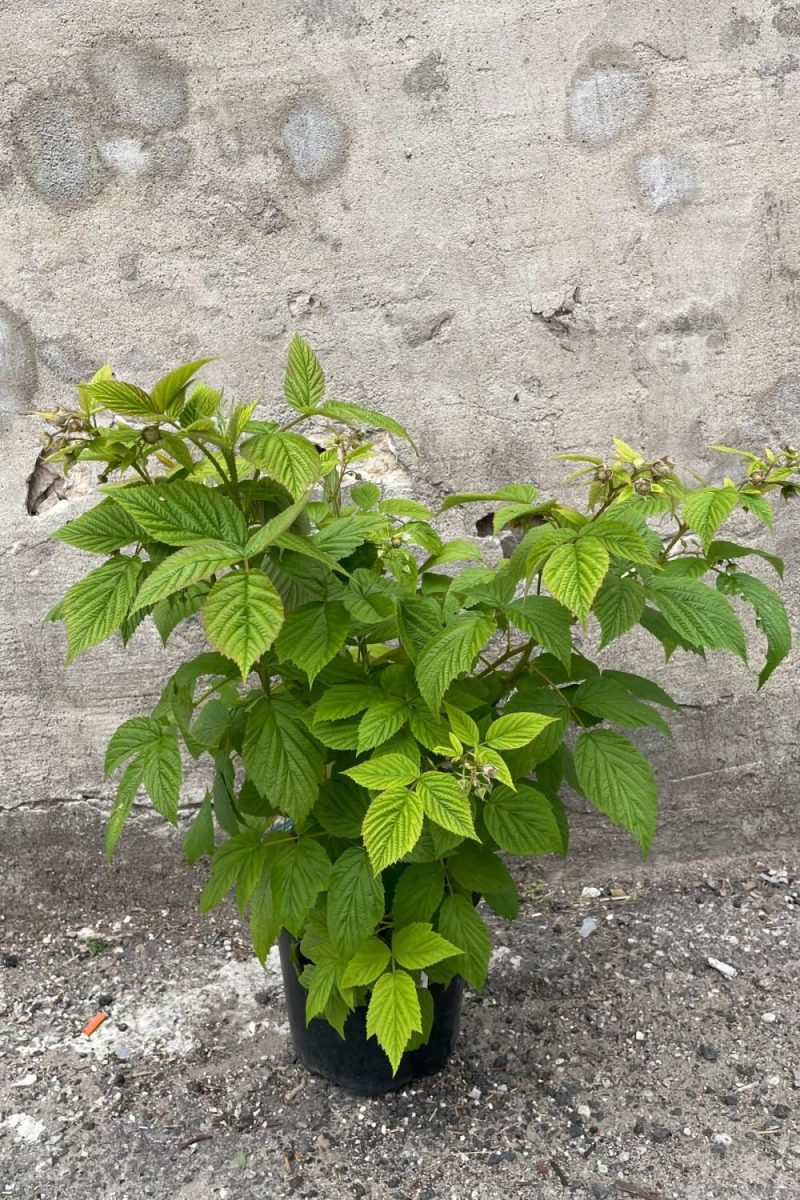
(46, 486)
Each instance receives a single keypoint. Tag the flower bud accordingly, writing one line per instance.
(643, 486)
(151, 434)
(757, 477)
(603, 474)
(661, 467)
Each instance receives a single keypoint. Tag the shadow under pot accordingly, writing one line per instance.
(356, 1062)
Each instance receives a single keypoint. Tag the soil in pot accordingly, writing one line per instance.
(356, 1062)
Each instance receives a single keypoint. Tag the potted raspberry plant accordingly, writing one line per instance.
(387, 715)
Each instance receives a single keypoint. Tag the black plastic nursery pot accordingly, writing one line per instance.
(355, 1062)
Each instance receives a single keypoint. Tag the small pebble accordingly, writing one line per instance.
(781, 1112)
(588, 927)
(724, 968)
(591, 893)
(709, 1053)
(769, 1018)
(10, 960)
(660, 1133)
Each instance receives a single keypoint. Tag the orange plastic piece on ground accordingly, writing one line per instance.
(94, 1023)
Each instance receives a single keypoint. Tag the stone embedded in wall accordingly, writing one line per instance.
(605, 102)
(665, 181)
(66, 360)
(427, 78)
(268, 217)
(137, 87)
(18, 374)
(171, 156)
(787, 20)
(314, 140)
(57, 149)
(740, 31)
(126, 156)
(304, 304)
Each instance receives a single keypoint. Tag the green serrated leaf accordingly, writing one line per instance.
(286, 457)
(179, 512)
(618, 780)
(300, 872)
(419, 893)
(313, 634)
(574, 572)
(394, 1014)
(524, 821)
(450, 653)
(618, 606)
(128, 786)
(384, 771)
(381, 721)
(96, 606)
(280, 757)
(369, 961)
(265, 920)
(544, 619)
(355, 900)
(698, 613)
(304, 382)
(418, 946)
(166, 393)
(188, 565)
(460, 924)
(771, 617)
(354, 414)
(516, 729)
(478, 869)
(706, 509)
(618, 538)
(199, 837)
(242, 616)
(102, 530)
(391, 827)
(446, 803)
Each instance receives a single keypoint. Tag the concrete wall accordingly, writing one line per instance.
(519, 226)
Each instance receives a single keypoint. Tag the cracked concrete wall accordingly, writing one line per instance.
(518, 227)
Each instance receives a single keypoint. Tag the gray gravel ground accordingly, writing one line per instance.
(616, 1064)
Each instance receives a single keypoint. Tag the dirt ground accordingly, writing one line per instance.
(607, 1058)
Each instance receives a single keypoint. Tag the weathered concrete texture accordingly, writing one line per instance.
(518, 227)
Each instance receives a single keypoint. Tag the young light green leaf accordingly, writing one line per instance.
(618, 538)
(618, 606)
(286, 457)
(304, 382)
(346, 700)
(384, 771)
(400, 507)
(391, 827)
(516, 729)
(280, 757)
(524, 821)
(129, 739)
(178, 512)
(544, 619)
(522, 493)
(188, 565)
(242, 616)
(381, 721)
(102, 530)
(462, 725)
(96, 605)
(313, 634)
(699, 614)
(618, 780)
(707, 508)
(574, 572)
(606, 697)
(369, 961)
(300, 872)
(123, 398)
(394, 1014)
(446, 803)
(168, 389)
(459, 550)
(355, 901)
(449, 653)
(418, 946)
(460, 924)
(418, 893)
(354, 414)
